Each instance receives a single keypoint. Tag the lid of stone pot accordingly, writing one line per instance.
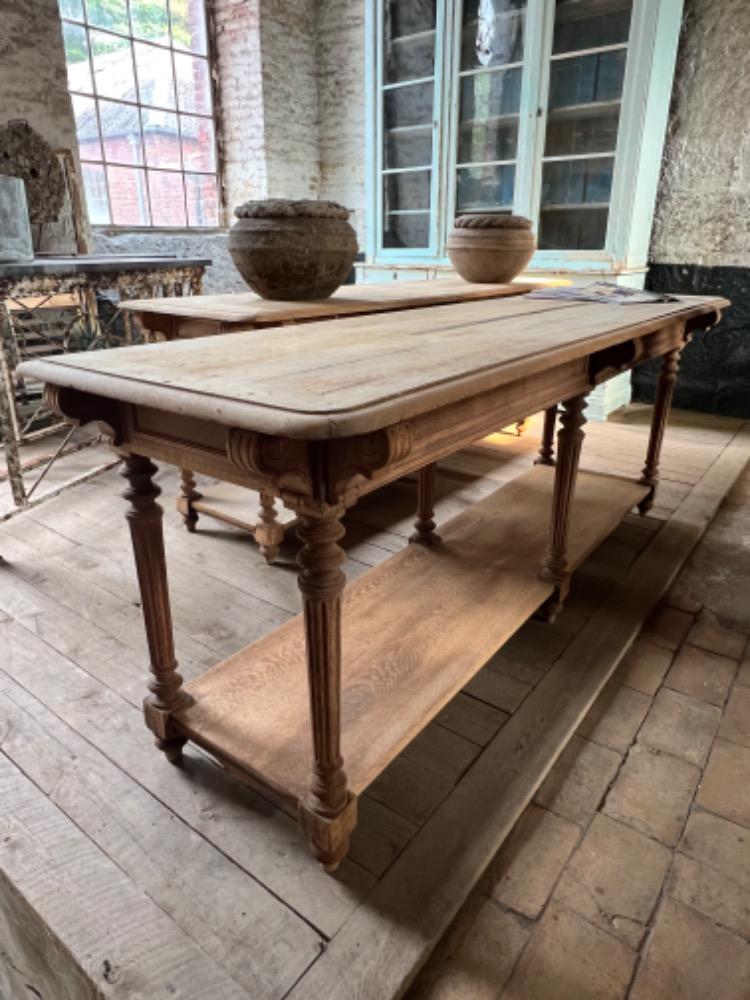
(479, 220)
(283, 208)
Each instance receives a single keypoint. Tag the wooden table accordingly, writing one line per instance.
(315, 711)
(177, 318)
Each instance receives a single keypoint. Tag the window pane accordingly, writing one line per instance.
(167, 198)
(155, 77)
(408, 17)
(407, 231)
(161, 138)
(489, 96)
(412, 148)
(188, 25)
(198, 143)
(584, 79)
(481, 141)
(193, 83)
(121, 132)
(585, 130)
(409, 190)
(587, 26)
(87, 127)
(202, 200)
(575, 199)
(113, 66)
(150, 19)
(112, 14)
(95, 186)
(410, 105)
(409, 57)
(71, 8)
(127, 191)
(492, 33)
(77, 58)
(485, 188)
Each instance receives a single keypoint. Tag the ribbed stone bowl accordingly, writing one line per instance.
(491, 249)
(293, 250)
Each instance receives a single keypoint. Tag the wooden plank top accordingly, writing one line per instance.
(247, 307)
(352, 376)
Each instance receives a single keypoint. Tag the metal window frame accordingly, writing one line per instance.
(182, 171)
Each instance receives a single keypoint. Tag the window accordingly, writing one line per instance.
(511, 106)
(140, 82)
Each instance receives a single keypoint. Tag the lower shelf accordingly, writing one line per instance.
(416, 629)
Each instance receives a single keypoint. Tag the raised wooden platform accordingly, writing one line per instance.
(416, 629)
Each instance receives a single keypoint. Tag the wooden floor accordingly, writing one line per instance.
(182, 883)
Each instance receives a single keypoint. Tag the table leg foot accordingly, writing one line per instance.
(328, 837)
(171, 748)
(424, 533)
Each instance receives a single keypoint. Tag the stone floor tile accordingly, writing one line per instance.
(568, 958)
(476, 957)
(644, 666)
(709, 633)
(577, 782)
(667, 627)
(743, 676)
(524, 872)
(720, 897)
(439, 750)
(615, 717)
(499, 690)
(472, 719)
(735, 726)
(726, 784)
(722, 844)
(690, 958)
(653, 793)
(530, 653)
(682, 726)
(701, 674)
(411, 791)
(680, 596)
(614, 879)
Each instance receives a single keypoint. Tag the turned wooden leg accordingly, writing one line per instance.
(662, 404)
(546, 454)
(424, 525)
(329, 813)
(187, 496)
(269, 534)
(569, 442)
(165, 685)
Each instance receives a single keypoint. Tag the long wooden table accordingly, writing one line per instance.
(178, 318)
(315, 711)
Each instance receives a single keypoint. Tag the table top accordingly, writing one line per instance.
(96, 264)
(247, 307)
(352, 376)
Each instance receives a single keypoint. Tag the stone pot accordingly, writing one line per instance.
(293, 249)
(491, 249)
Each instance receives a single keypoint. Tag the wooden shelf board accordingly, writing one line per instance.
(416, 629)
(238, 506)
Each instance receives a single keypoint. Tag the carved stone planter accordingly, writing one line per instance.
(293, 249)
(491, 249)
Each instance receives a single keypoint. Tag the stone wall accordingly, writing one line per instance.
(701, 236)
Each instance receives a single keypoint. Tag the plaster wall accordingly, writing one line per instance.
(703, 208)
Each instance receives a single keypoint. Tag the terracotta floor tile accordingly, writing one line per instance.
(709, 633)
(615, 717)
(720, 897)
(644, 666)
(735, 726)
(726, 784)
(529, 863)
(475, 958)
(667, 627)
(614, 878)
(568, 958)
(720, 843)
(682, 726)
(653, 793)
(577, 782)
(702, 675)
(689, 958)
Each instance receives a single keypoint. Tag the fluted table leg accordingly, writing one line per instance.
(165, 684)
(329, 813)
(424, 533)
(569, 443)
(662, 405)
